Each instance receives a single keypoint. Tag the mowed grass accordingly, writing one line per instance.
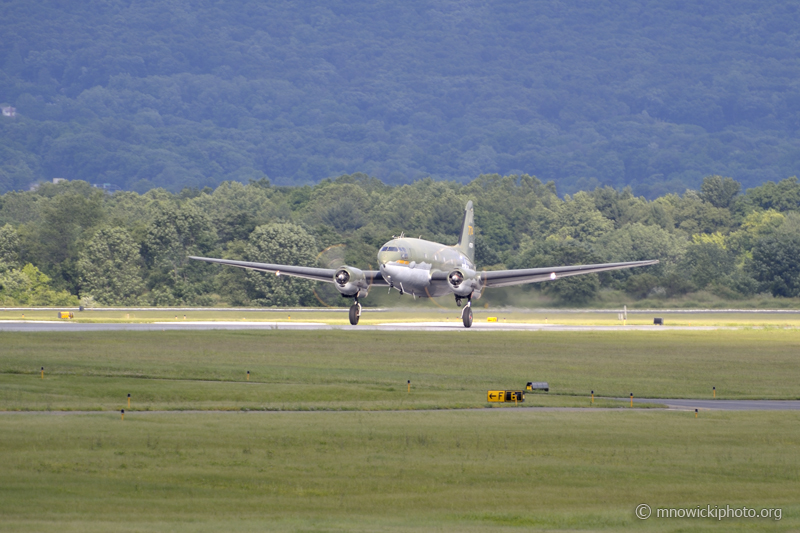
(368, 370)
(345, 447)
(490, 470)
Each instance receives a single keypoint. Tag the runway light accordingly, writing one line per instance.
(122, 414)
(409, 385)
(695, 413)
(129, 401)
(715, 391)
(248, 375)
(592, 396)
(631, 399)
(42, 372)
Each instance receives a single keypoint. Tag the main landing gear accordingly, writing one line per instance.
(355, 312)
(466, 313)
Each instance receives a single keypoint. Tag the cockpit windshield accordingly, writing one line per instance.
(389, 249)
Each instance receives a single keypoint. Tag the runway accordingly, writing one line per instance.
(724, 405)
(455, 325)
(672, 405)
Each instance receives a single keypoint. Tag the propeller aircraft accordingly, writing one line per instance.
(427, 269)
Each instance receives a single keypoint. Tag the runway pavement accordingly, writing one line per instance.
(455, 325)
(682, 405)
(725, 405)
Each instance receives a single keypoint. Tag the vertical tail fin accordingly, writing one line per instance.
(466, 242)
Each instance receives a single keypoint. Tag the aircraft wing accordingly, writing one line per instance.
(506, 278)
(316, 274)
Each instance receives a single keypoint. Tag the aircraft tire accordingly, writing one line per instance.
(467, 316)
(354, 314)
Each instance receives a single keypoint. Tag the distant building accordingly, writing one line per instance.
(59, 180)
(9, 111)
(110, 188)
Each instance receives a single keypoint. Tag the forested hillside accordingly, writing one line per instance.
(69, 241)
(651, 94)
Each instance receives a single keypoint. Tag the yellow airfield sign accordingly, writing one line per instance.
(505, 396)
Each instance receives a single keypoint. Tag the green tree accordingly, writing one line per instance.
(53, 242)
(755, 225)
(485, 255)
(775, 263)
(174, 235)
(641, 285)
(637, 242)
(579, 219)
(110, 268)
(9, 246)
(719, 191)
(707, 260)
(28, 286)
(342, 206)
(614, 205)
(233, 284)
(285, 244)
(233, 206)
(693, 215)
(781, 196)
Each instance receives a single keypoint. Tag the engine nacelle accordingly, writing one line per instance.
(464, 282)
(351, 282)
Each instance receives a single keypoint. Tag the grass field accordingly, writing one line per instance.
(390, 471)
(349, 449)
(369, 370)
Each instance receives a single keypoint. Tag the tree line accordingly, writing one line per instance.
(67, 243)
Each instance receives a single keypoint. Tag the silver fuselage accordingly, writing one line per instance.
(409, 264)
